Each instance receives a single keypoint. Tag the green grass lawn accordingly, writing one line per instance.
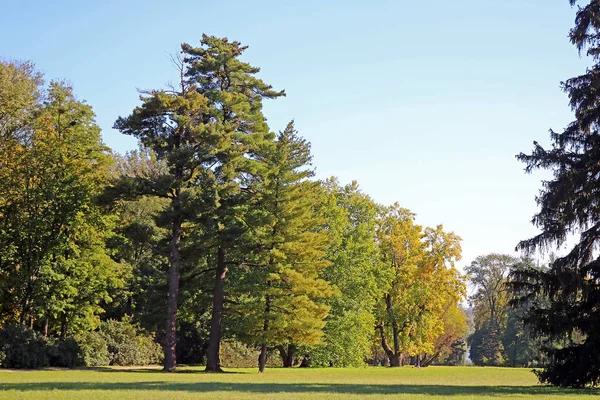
(359, 383)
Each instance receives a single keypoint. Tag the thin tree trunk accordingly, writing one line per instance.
(282, 353)
(213, 362)
(24, 307)
(46, 327)
(173, 282)
(64, 326)
(262, 359)
(428, 361)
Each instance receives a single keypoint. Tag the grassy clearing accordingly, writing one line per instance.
(360, 383)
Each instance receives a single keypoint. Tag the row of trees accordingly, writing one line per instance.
(214, 229)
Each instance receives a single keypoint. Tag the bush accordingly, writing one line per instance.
(191, 344)
(234, 354)
(116, 343)
(94, 350)
(65, 353)
(128, 347)
(21, 347)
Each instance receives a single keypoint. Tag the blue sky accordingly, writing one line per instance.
(423, 103)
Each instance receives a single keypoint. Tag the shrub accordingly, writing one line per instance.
(126, 346)
(191, 344)
(235, 354)
(65, 353)
(94, 350)
(21, 347)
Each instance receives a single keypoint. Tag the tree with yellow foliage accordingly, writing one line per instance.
(424, 285)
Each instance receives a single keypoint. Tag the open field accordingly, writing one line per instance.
(360, 383)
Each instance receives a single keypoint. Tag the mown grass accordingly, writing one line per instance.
(331, 384)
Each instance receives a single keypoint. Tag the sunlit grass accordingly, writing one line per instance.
(359, 383)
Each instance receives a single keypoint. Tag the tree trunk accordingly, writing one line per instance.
(395, 331)
(262, 359)
(46, 327)
(395, 360)
(428, 361)
(394, 356)
(287, 355)
(213, 362)
(64, 326)
(289, 359)
(24, 307)
(173, 282)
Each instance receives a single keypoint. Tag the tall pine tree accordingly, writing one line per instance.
(570, 204)
(283, 304)
(235, 96)
(174, 124)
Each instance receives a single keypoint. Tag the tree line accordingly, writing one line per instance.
(215, 228)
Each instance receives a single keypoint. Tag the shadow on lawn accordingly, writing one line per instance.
(179, 370)
(204, 387)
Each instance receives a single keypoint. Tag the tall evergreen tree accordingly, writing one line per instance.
(569, 204)
(283, 305)
(235, 96)
(173, 123)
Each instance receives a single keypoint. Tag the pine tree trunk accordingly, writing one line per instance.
(173, 282)
(213, 362)
(262, 359)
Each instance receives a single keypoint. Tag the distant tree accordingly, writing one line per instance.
(448, 344)
(488, 275)
(569, 205)
(424, 284)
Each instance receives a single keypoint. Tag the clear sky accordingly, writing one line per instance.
(422, 102)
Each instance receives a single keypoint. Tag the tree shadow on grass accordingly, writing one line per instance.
(158, 370)
(206, 387)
